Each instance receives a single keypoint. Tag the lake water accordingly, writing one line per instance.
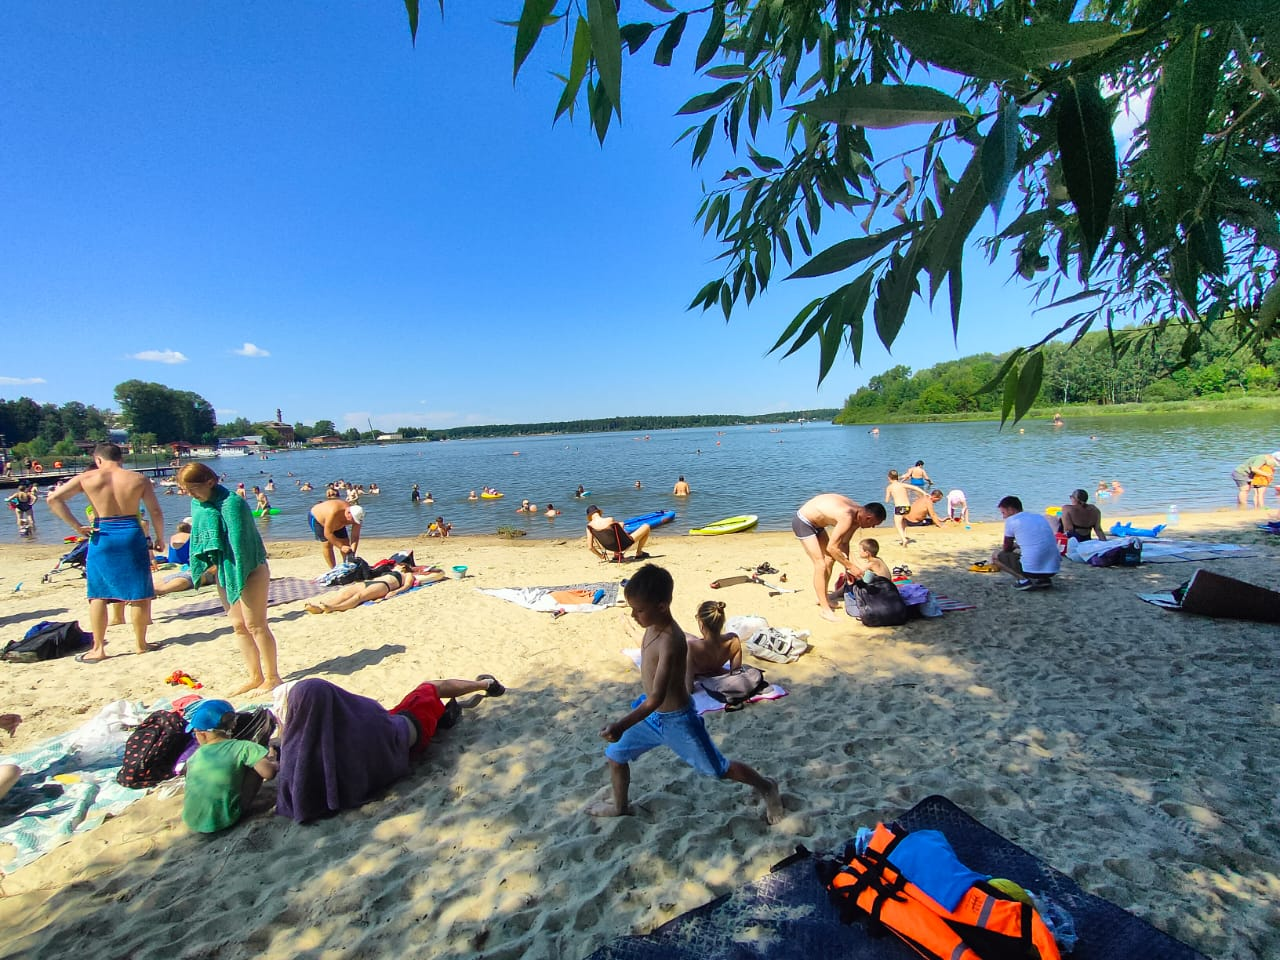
(1159, 460)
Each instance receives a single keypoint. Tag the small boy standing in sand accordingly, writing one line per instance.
(665, 716)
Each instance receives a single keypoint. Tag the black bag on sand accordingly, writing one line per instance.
(257, 726)
(358, 572)
(153, 749)
(47, 640)
(879, 603)
(735, 689)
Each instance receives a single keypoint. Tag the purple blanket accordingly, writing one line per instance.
(338, 749)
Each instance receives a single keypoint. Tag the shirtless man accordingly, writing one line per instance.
(900, 493)
(681, 489)
(329, 521)
(846, 517)
(119, 563)
(921, 513)
(596, 520)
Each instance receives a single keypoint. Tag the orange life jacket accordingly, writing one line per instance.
(986, 925)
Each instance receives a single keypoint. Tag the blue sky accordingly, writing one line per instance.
(288, 205)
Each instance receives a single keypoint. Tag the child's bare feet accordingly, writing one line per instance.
(603, 804)
(827, 614)
(253, 684)
(774, 811)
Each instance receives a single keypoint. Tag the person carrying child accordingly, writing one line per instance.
(223, 775)
(665, 715)
(709, 653)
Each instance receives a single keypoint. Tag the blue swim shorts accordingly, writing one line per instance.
(681, 730)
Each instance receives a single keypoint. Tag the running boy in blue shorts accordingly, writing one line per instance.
(665, 715)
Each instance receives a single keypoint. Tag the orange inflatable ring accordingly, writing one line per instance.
(36, 468)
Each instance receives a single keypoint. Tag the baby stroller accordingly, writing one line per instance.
(73, 559)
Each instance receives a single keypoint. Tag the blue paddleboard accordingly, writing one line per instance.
(655, 519)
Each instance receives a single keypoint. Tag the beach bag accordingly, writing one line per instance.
(1124, 555)
(47, 640)
(879, 604)
(354, 570)
(735, 689)
(776, 645)
(257, 726)
(153, 749)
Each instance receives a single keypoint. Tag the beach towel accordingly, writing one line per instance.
(786, 915)
(1164, 551)
(118, 566)
(281, 590)
(68, 784)
(542, 599)
(703, 701)
(416, 586)
(338, 750)
(948, 605)
(223, 534)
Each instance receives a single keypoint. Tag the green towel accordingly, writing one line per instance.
(223, 533)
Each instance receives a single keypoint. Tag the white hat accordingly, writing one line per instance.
(186, 520)
(357, 512)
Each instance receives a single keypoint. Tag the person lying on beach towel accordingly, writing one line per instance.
(379, 588)
(338, 748)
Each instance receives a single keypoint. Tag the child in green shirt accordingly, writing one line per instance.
(223, 775)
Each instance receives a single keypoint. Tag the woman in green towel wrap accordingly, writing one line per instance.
(224, 535)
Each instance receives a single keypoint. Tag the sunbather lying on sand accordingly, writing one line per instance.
(379, 588)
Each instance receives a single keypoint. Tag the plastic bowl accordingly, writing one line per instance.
(459, 572)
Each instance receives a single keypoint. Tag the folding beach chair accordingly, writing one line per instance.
(614, 541)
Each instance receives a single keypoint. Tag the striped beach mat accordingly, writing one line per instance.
(281, 590)
(787, 916)
(950, 606)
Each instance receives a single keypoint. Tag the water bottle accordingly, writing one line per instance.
(1172, 517)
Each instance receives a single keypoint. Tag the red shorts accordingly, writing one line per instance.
(422, 705)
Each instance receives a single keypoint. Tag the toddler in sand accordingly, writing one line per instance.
(665, 715)
(223, 775)
(709, 652)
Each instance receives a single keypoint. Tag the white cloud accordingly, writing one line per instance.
(20, 381)
(227, 413)
(252, 350)
(160, 356)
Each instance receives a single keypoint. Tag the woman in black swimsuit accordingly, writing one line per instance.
(379, 588)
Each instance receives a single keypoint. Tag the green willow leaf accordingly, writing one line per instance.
(704, 140)
(411, 8)
(1179, 112)
(1219, 11)
(606, 45)
(815, 323)
(846, 253)
(955, 290)
(670, 40)
(1002, 374)
(960, 214)
(796, 323)
(635, 35)
(959, 43)
(1045, 43)
(1088, 150)
(1269, 309)
(711, 100)
(832, 337)
(711, 39)
(1000, 155)
(728, 71)
(601, 109)
(661, 5)
(1008, 396)
(533, 17)
(578, 63)
(881, 106)
(1029, 381)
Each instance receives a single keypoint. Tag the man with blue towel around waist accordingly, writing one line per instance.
(119, 563)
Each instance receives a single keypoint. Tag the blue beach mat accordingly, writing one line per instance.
(787, 916)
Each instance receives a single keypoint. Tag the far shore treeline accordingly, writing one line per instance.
(1089, 372)
(153, 414)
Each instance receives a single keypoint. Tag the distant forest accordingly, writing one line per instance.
(1087, 373)
(613, 425)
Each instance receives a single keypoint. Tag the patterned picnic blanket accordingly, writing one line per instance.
(68, 784)
(282, 590)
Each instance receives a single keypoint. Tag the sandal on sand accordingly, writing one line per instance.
(983, 567)
(452, 714)
(495, 689)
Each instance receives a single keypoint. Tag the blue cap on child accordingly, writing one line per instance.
(208, 714)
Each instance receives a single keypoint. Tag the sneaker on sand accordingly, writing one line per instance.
(1030, 584)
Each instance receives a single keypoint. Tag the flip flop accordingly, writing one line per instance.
(495, 689)
(983, 567)
(86, 659)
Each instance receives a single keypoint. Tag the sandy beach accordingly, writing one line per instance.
(1133, 748)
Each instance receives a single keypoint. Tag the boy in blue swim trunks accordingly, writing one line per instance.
(665, 715)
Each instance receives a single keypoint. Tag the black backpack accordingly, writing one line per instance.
(47, 640)
(153, 749)
(358, 572)
(879, 602)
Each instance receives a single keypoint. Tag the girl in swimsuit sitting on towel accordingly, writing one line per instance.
(709, 653)
(379, 588)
